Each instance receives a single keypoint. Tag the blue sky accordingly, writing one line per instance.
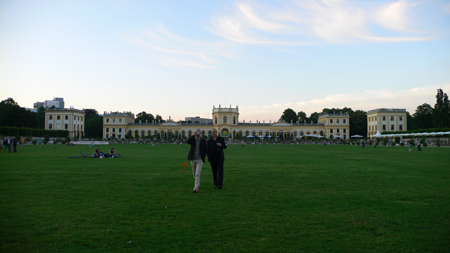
(179, 58)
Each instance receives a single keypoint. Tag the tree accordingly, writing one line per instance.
(358, 123)
(301, 116)
(423, 116)
(314, 117)
(159, 118)
(94, 124)
(11, 114)
(289, 115)
(143, 116)
(441, 113)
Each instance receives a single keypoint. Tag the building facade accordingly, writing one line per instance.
(72, 120)
(386, 120)
(56, 102)
(226, 121)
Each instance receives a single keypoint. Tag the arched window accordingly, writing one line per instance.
(136, 134)
(149, 133)
(162, 134)
(321, 133)
(301, 133)
(295, 133)
(315, 132)
(274, 133)
(254, 133)
(183, 133)
(260, 132)
(240, 133)
(307, 132)
(169, 134)
(247, 133)
(267, 132)
(142, 133)
(176, 134)
(288, 134)
(189, 133)
(203, 133)
(225, 119)
(156, 134)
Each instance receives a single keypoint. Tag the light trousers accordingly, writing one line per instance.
(197, 171)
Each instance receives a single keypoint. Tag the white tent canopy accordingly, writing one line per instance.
(378, 135)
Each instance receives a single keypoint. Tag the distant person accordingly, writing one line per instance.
(97, 153)
(362, 143)
(410, 145)
(1, 144)
(8, 143)
(419, 144)
(14, 141)
(196, 155)
(40, 142)
(112, 153)
(21, 142)
(216, 158)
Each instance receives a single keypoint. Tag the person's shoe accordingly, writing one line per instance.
(195, 191)
(220, 187)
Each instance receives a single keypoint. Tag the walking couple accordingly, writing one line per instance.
(213, 148)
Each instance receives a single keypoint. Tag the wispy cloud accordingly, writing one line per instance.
(176, 51)
(311, 21)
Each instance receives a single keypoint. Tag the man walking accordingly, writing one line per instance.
(197, 155)
(15, 144)
(9, 142)
(216, 145)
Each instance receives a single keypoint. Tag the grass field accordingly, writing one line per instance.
(276, 198)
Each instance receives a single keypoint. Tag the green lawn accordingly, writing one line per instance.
(276, 198)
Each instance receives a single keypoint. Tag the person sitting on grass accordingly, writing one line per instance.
(112, 152)
(96, 153)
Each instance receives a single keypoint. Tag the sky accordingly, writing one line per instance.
(181, 58)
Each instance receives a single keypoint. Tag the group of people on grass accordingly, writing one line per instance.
(99, 154)
(7, 142)
(213, 148)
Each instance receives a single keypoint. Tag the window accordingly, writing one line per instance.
(234, 120)
(107, 130)
(120, 130)
(58, 117)
(384, 118)
(149, 132)
(50, 117)
(183, 133)
(247, 133)
(107, 120)
(392, 118)
(315, 132)
(337, 130)
(224, 119)
(215, 120)
(66, 117)
(74, 127)
(392, 127)
(120, 120)
(203, 133)
(50, 126)
(331, 121)
(337, 121)
(331, 131)
(66, 126)
(344, 121)
(190, 132)
(400, 118)
(384, 127)
(345, 131)
(114, 130)
(114, 120)
(400, 127)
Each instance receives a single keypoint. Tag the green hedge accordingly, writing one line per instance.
(25, 131)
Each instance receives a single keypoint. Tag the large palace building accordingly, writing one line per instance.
(226, 121)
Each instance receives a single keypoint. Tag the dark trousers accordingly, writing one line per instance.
(15, 148)
(217, 170)
(419, 147)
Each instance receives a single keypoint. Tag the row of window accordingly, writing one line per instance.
(374, 128)
(66, 126)
(344, 121)
(66, 117)
(383, 118)
(120, 120)
(225, 120)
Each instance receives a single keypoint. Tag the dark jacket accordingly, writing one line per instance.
(215, 153)
(191, 141)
